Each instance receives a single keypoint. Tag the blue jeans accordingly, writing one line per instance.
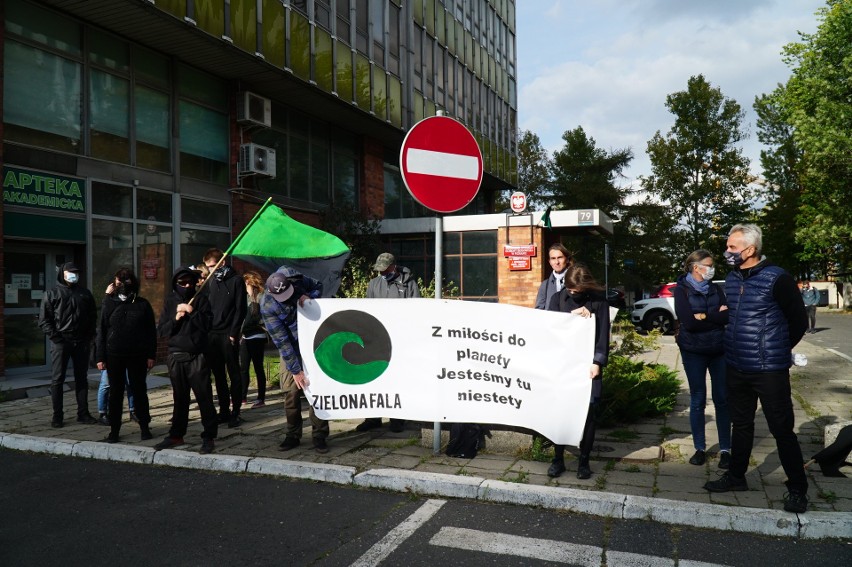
(695, 366)
(103, 393)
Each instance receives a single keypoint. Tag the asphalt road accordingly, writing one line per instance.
(834, 331)
(68, 511)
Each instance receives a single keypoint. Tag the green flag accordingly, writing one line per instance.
(272, 239)
(545, 218)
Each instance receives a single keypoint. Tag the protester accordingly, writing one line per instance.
(559, 259)
(810, 297)
(69, 319)
(286, 290)
(393, 282)
(126, 349)
(766, 320)
(700, 306)
(583, 296)
(227, 294)
(253, 340)
(103, 386)
(185, 323)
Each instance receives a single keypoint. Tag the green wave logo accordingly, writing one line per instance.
(352, 347)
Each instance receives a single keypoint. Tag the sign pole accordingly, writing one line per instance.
(439, 256)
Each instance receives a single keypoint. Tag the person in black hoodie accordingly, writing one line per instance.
(185, 322)
(69, 318)
(583, 296)
(226, 291)
(126, 349)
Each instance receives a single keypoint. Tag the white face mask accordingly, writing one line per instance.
(711, 271)
(72, 277)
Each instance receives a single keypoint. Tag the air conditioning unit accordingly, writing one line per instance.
(257, 160)
(254, 109)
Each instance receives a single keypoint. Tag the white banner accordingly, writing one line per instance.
(450, 361)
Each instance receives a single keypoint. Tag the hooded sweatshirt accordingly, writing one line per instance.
(127, 327)
(189, 334)
(226, 291)
(68, 311)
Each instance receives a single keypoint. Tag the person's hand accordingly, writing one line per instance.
(110, 288)
(303, 299)
(301, 380)
(723, 308)
(183, 309)
(101, 366)
(594, 371)
(700, 316)
(582, 312)
(150, 363)
(233, 340)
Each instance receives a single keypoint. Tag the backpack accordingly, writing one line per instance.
(466, 439)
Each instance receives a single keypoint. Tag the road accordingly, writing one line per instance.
(70, 511)
(834, 332)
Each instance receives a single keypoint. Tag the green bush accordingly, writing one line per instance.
(633, 390)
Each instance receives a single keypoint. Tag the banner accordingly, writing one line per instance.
(449, 361)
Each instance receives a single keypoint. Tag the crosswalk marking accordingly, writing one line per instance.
(394, 538)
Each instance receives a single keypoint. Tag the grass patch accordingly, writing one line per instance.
(522, 477)
(540, 451)
(622, 434)
(633, 468)
(600, 482)
(610, 465)
(673, 449)
(827, 495)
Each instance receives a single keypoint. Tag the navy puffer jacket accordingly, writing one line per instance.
(757, 338)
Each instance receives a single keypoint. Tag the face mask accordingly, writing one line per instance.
(579, 296)
(185, 293)
(221, 272)
(389, 276)
(72, 277)
(123, 296)
(734, 258)
(711, 271)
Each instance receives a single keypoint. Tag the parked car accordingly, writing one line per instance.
(665, 290)
(615, 298)
(658, 312)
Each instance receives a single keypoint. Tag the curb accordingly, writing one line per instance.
(777, 523)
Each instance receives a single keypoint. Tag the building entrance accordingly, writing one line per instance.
(29, 270)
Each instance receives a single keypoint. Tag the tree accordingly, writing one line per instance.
(533, 172)
(817, 104)
(698, 170)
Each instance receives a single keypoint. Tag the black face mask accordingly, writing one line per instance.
(185, 293)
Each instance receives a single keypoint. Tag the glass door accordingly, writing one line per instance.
(29, 271)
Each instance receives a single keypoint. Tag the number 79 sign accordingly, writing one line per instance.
(586, 216)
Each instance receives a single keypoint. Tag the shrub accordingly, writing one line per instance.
(633, 390)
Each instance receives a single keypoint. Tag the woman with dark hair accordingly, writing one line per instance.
(253, 339)
(583, 296)
(126, 348)
(702, 313)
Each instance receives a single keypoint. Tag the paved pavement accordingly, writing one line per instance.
(640, 470)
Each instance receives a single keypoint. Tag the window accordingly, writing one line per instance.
(109, 116)
(203, 127)
(470, 261)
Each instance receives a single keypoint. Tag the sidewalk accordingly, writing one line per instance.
(640, 471)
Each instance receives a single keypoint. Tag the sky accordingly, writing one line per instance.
(608, 65)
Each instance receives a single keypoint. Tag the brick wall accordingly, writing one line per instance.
(520, 287)
(372, 198)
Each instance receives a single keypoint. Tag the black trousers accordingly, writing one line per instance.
(251, 353)
(78, 354)
(223, 356)
(136, 370)
(190, 373)
(773, 391)
(588, 440)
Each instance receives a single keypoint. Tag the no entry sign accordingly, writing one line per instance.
(441, 164)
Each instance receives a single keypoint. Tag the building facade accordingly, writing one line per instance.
(140, 133)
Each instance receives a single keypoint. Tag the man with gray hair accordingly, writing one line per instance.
(766, 320)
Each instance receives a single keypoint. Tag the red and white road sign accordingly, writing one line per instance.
(441, 164)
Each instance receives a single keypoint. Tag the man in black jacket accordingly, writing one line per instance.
(69, 318)
(226, 291)
(185, 322)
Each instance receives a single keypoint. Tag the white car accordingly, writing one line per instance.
(659, 312)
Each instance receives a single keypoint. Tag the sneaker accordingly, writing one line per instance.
(556, 468)
(320, 446)
(368, 424)
(796, 502)
(206, 447)
(235, 421)
(168, 443)
(103, 419)
(725, 460)
(289, 443)
(258, 404)
(727, 483)
(397, 425)
(697, 459)
(133, 417)
(87, 418)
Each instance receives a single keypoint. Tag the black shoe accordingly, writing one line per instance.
(796, 502)
(556, 468)
(726, 483)
(725, 460)
(320, 446)
(112, 437)
(224, 417)
(87, 418)
(289, 443)
(235, 421)
(133, 417)
(397, 425)
(697, 459)
(103, 419)
(57, 423)
(368, 424)
(146, 434)
(584, 471)
(168, 443)
(206, 447)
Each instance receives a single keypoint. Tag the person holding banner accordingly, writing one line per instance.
(393, 282)
(286, 290)
(583, 296)
(559, 259)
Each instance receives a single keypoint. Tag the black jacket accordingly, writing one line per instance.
(127, 328)
(597, 305)
(68, 312)
(228, 302)
(190, 333)
(703, 336)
